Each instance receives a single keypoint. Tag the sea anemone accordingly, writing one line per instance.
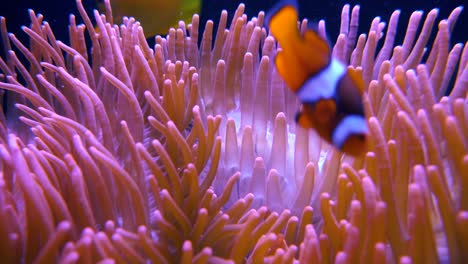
(119, 152)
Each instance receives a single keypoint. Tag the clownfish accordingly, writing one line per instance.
(330, 93)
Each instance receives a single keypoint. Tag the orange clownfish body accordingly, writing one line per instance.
(330, 93)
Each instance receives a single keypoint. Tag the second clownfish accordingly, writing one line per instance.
(330, 93)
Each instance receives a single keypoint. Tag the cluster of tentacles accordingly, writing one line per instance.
(183, 154)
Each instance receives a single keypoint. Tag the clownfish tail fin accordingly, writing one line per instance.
(278, 7)
(282, 20)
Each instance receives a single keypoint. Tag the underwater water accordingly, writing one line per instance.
(330, 11)
(57, 11)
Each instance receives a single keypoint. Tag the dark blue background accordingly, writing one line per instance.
(330, 10)
(56, 12)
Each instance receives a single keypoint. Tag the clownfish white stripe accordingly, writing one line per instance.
(322, 85)
(350, 125)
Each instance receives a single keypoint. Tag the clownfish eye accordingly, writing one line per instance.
(361, 137)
